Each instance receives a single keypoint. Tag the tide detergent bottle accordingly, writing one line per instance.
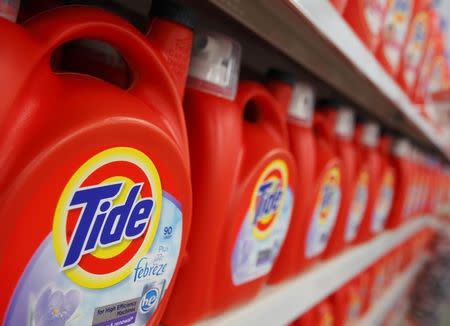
(243, 179)
(433, 51)
(323, 209)
(94, 177)
(298, 100)
(417, 40)
(316, 208)
(393, 34)
(403, 172)
(366, 18)
(366, 140)
(338, 123)
(384, 196)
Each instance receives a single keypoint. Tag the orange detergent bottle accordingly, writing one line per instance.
(338, 123)
(323, 209)
(243, 179)
(366, 18)
(385, 192)
(367, 141)
(298, 100)
(393, 34)
(347, 304)
(102, 171)
(401, 151)
(419, 35)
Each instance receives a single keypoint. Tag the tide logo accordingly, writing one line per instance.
(107, 217)
(329, 196)
(267, 198)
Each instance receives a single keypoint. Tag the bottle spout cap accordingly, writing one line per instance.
(371, 134)
(215, 64)
(9, 9)
(345, 122)
(302, 103)
(401, 147)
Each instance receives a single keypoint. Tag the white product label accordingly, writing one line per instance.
(373, 12)
(112, 251)
(395, 29)
(325, 213)
(384, 201)
(415, 47)
(358, 206)
(265, 225)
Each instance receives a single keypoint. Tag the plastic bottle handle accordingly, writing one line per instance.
(253, 92)
(64, 24)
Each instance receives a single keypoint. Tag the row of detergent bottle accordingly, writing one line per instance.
(407, 37)
(131, 198)
(358, 296)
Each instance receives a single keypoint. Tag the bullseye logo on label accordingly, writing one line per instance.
(107, 217)
(329, 195)
(267, 198)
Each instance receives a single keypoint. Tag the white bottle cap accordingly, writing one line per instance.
(345, 122)
(401, 147)
(371, 134)
(302, 103)
(9, 9)
(215, 65)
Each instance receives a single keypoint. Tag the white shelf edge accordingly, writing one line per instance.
(378, 312)
(330, 24)
(280, 304)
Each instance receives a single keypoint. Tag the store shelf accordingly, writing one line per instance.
(378, 312)
(312, 34)
(280, 304)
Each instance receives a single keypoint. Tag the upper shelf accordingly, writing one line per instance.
(314, 35)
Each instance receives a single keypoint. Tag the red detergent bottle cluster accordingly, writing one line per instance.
(366, 140)
(243, 175)
(366, 17)
(104, 171)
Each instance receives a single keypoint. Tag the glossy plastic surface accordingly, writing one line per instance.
(52, 123)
